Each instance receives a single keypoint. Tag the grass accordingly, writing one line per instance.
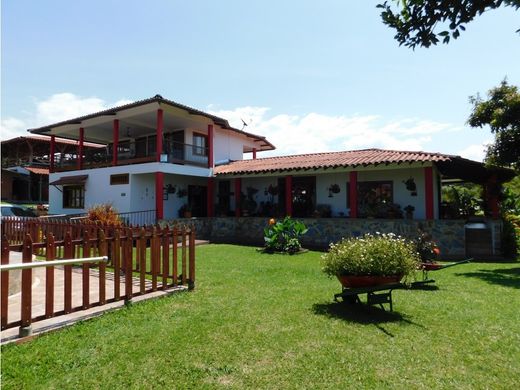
(268, 321)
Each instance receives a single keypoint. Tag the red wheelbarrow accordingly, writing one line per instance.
(434, 266)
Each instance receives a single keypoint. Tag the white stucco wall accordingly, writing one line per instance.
(138, 195)
(261, 184)
(338, 202)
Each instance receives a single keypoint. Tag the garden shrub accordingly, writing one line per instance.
(104, 213)
(379, 254)
(511, 235)
(284, 235)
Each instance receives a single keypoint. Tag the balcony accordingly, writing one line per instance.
(128, 153)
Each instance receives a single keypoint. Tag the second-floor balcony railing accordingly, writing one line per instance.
(175, 152)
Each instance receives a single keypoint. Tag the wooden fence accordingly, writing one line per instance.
(158, 258)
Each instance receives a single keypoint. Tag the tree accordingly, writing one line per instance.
(417, 21)
(501, 111)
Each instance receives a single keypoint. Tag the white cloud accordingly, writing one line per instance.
(56, 108)
(291, 134)
(313, 132)
(475, 152)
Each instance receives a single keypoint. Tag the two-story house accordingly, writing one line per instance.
(166, 158)
(157, 155)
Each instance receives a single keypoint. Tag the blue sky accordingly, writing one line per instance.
(311, 76)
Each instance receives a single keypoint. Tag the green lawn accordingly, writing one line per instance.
(268, 321)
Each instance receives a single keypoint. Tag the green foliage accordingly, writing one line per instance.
(380, 254)
(511, 235)
(463, 200)
(417, 22)
(104, 213)
(284, 235)
(501, 112)
(511, 197)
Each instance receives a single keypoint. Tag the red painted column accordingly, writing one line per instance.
(210, 196)
(115, 144)
(254, 153)
(352, 195)
(159, 139)
(80, 148)
(428, 191)
(238, 196)
(288, 195)
(159, 202)
(51, 154)
(211, 163)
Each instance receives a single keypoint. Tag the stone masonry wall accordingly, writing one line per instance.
(448, 234)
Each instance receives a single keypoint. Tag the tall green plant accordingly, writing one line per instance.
(284, 235)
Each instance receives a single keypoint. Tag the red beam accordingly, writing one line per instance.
(159, 144)
(238, 195)
(159, 203)
(210, 147)
(254, 153)
(80, 147)
(353, 203)
(428, 191)
(115, 145)
(52, 151)
(288, 195)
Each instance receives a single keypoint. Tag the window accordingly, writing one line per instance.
(200, 141)
(119, 179)
(73, 197)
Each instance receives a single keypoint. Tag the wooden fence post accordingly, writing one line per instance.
(154, 255)
(191, 280)
(4, 297)
(25, 326)
(102, 251)
(128, 259)
(68, 253)
(141, 260)
(184, 272)
(50, 254)
(174, 256)
(165, 256)
(86, 271)
(116, 252)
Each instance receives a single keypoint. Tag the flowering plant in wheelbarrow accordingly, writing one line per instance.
(370, 260)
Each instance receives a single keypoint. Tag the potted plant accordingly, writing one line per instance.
(370, 260)
(409, 211)
(185, 211)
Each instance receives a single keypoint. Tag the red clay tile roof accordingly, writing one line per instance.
(38, 171)
(351, 158)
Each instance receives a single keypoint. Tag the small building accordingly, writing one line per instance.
(25, 166)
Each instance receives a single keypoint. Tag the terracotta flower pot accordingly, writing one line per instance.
(355, 281)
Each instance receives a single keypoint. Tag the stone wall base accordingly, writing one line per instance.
(448, 234)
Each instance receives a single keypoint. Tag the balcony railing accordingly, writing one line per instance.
(176, 152)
